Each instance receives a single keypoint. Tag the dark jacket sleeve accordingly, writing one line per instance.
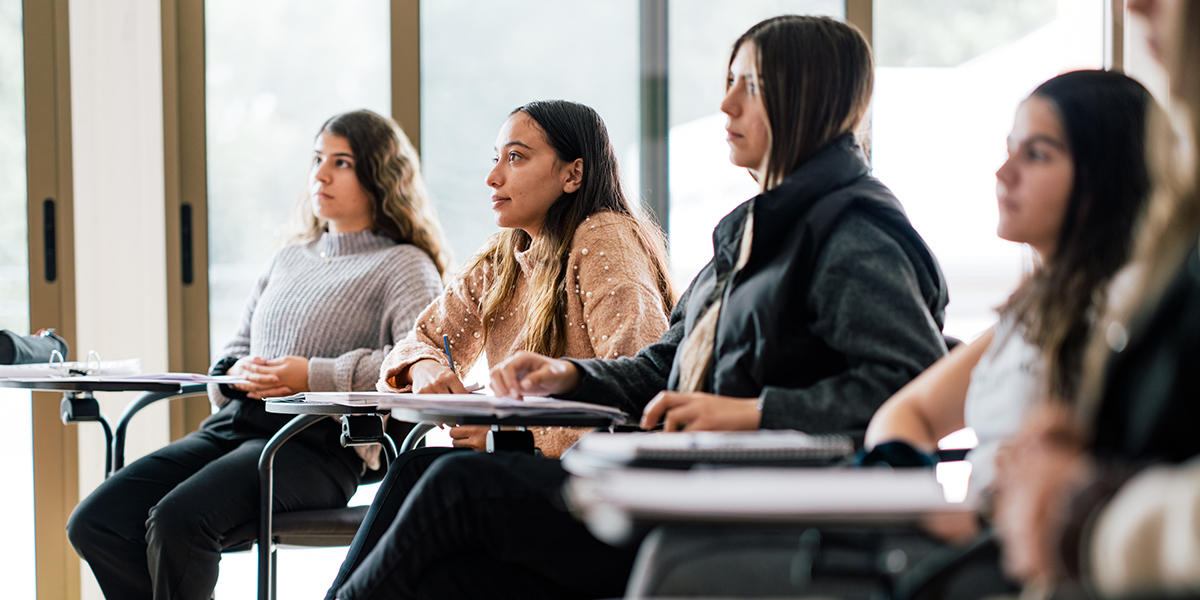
(865, 302)
(629, 383)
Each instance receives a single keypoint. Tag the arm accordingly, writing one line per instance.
(1151, 515)
(930, 407)
(866, 302)
(627, 382)
(238, 349)
(456, 313)
(413, 285)
(617, 287)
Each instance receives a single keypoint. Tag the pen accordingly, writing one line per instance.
(450, 358)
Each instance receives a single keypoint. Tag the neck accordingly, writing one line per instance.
(348, 226)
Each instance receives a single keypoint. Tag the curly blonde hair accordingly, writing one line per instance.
(389, 171)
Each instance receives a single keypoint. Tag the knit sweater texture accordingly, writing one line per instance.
(341, 301)
(613, 309)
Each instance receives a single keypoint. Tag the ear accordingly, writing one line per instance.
(572, 176)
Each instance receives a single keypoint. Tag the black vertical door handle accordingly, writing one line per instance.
(49, 241)
(185, 240)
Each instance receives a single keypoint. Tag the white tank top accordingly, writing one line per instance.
(1004, 383)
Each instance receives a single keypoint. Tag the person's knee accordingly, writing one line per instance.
(173, 523)
(463, 471)
(83, 526)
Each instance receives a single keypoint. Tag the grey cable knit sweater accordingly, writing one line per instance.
(342, 301)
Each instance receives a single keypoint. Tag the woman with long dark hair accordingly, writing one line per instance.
(575, 271)
(1072, 188)
(820, 302)
(365, 256)
(1102, 495)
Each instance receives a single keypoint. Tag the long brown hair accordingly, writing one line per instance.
(1171, 227)
(575, 132)
(1103, 114)
(389, 171)
(816, 75)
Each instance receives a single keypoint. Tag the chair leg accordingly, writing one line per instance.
(266, 483)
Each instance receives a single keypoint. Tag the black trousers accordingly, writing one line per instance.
(484, 526)
(156, 528)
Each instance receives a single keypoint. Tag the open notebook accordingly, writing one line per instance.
(684, 450)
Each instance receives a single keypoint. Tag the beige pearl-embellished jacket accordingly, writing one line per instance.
(614, 309)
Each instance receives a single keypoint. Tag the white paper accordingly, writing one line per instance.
(130, 366)
(462, 404)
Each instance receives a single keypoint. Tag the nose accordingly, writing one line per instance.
(729, 104)
(1006, 174)
(494, 177)
(322, 172)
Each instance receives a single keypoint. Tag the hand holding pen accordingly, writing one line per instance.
(432, 377)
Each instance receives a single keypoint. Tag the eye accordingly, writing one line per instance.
(513, 156)
(344, 163)
(316, 160)
(728, 82)
(495, 159)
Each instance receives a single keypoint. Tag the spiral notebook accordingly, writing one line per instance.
(684, 450)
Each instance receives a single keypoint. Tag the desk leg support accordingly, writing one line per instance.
(117, 447)
(266, 487)
(418, 431)
(77, 407)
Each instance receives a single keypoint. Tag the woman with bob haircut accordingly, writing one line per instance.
(820, 302)
(365, 256)
(1074, 184)
(576, 271)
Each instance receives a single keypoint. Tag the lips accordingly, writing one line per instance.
(498, 201)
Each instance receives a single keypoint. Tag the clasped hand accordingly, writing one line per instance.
(270, 378)
(527, 373)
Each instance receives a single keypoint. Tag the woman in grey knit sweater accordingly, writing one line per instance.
(366, 259)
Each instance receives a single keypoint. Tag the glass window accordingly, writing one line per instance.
(950, 75)
(16, 445)
(480, 60)
(276, 70)
(704, 184)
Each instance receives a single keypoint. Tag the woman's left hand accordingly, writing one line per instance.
(469, 436)
(292, 372)
(697, 411)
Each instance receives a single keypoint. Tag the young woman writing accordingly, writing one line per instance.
(1073, 186)
(576, 271)
(366, 258)
(820, 302)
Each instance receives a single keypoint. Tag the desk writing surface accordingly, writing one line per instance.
(764, 493)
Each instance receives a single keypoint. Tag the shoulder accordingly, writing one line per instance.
(408, 255)
(608, 231)
(410, 266)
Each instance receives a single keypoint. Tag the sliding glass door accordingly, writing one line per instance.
(16, 446)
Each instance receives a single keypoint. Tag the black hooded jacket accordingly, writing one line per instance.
(840, 304)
